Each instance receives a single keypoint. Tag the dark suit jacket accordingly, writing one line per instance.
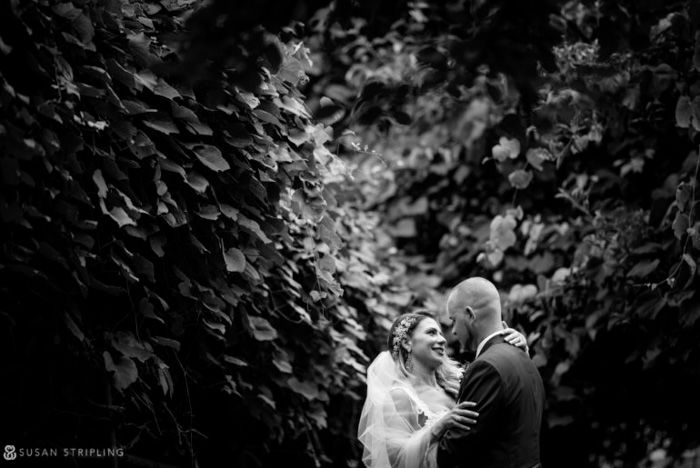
(509, 394)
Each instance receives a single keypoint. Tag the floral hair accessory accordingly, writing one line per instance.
(401, 332)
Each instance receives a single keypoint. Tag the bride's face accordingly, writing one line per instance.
(428, 344)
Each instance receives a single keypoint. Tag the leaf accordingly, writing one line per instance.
(237, 135)
(254, 227)
(520, 179)
(683, 194)
(235, 260)
(235, 361)
(694, 234)
(121, 217)
(167, 342)
(539, 360)
(683, 112)
(197, 182)
(502, 234)
(297, 107)
(542, 263)
(209, 212)
(696, 52)
(283, 365)
(307, 389)
(520, 293)
(146, 309)
(506, 148)
(648, 248)
(171, 166)
(124, 369)
(218, 327)
(267, 117)
(643, 269)
(176, 5)
(229, 211)
(73, 327)
(126, 343)
(495, 257)
(262, 330)
(330, 114)
(695, 110)
(144, 267)
(536, 156)
(680, 225)
(165, 90)
(317, 296)
(691, 263)
(121, 74)
(100, 182)
(269, 401)
(84, 28)
(161, 125)
(136, 107)
(561, 275)
(165, 380)
(248, 98)
(211, 157)
(406, 227)
(142, 146)
(67, 10)
(157, 243)
(199, 128)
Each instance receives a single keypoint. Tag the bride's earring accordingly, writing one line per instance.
(409, 362)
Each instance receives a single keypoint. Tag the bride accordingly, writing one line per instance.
(411, 393)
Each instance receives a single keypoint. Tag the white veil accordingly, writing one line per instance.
(389, 425)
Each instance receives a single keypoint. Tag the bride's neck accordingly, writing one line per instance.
(423, 375)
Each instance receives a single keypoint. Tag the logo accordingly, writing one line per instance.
(9, 453)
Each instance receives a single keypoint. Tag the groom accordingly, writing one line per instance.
(503, 382)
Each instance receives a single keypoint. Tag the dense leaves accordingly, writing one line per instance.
(568, 179)
(191, 271)
(184, 272)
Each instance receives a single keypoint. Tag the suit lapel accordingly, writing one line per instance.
(493, 341)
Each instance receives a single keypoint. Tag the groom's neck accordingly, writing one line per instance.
(486, 331)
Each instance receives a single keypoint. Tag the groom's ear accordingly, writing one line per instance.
(470, 313)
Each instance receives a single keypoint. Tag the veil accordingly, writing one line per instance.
(389, 425)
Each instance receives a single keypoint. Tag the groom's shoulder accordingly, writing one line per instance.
(499, 350)
(502, 355)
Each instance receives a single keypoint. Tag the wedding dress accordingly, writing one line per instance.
(395, 421)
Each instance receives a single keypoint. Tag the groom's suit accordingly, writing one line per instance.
(509, 394)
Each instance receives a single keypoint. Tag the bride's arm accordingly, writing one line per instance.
(461, 417)
(406, 441)
(404, 407)
(515, 338)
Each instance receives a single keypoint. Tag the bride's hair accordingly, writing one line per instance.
(448, 374)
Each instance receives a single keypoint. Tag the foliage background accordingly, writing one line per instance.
(211, 213)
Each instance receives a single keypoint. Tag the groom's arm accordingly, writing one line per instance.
(483, 385)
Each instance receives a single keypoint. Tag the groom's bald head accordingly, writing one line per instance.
(478, 293)
(474, 305)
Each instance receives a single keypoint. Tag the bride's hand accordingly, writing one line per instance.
(461, 417)
(515, 338)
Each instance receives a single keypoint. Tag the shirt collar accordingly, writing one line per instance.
(484, 341)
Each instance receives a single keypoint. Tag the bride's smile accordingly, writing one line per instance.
(428, 344)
